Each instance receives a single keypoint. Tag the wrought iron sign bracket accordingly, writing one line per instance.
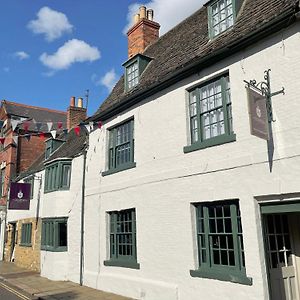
(264, 87)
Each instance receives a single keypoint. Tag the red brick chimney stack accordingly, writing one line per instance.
(143, 33)
(75, 114)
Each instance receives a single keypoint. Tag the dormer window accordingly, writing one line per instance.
(134, 68)
(221, 15)
(51, 146)
(132, 74)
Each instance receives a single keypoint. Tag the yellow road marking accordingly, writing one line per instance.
(14, 291)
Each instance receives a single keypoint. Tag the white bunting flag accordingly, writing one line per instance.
(53, 132)
(49, 124)
(88, 127)
(14, 124)
(15, 138)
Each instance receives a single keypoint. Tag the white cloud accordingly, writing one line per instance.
(108, 80)
(21, 55)
(53, 24)
(71, 52)
(167, 13)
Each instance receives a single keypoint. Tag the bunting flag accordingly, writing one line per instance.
(65, 131)
(28, 137)
(77, 130)
(1, 124)
(49, 124)
(38, 125)
(42, 135)
(99, 124)
(88, 127)
(14, 124)
(2, 139)
(59, 125)
(53, 133)
(15, 139)
(26, 125)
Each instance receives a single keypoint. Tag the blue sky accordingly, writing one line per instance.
(52, 50)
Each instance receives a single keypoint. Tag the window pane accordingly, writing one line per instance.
(62, 234)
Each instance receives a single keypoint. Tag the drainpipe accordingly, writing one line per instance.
(82, 214)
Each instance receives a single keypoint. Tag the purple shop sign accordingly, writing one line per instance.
(258, 115)
(19, 196)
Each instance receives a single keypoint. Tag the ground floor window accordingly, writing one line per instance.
(122, 239)
(54, 234)
(220, 241)
(26, 234)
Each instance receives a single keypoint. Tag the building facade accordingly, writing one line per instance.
(182, 202)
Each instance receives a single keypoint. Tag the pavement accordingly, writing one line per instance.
(32, 285)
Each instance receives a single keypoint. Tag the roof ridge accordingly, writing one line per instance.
(34, 107)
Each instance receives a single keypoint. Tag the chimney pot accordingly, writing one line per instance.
(72, 101)
(136, 18)
(143, 12)
(80, 102)
(150, 14)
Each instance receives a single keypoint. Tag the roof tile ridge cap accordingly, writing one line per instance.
(35, 107)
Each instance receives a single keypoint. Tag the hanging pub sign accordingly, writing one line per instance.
(258, 114)
(19, 196)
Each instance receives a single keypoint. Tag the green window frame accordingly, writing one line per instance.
(122, 239)
(31, 181)
(51, 146)
(121, 147)
(210, 114)
(220, 242)
(58, 176)
(132, 75)
(54, 234)
(26, 234)
(221, 16)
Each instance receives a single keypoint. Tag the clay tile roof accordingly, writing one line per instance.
(188, 44)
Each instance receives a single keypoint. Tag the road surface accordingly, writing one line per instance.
(8, 293)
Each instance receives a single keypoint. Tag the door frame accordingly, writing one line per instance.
(276, 207)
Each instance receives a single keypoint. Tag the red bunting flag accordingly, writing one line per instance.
(77, 130)
(99, 124)
(42, 135)
(2, 140)
(26, 125)
(59, 125)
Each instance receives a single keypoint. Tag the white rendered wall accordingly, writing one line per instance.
(166, 181)
(65, 265)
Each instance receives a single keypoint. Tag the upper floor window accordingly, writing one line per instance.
(221, 16)
(134, 68)
(121, 148)
(220, 242)
(57, 176)
(51, 146)
(210, 114)
(132, 74)
(2, 178)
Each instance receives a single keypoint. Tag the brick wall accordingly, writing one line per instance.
(75, 115)
(142, 35)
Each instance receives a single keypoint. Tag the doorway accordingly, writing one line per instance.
(282, 247)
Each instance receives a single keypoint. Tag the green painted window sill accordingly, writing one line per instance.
(122, 264)
(235, 277)
(218, 140)
(24, 245)
(119, 168)
(54, 249)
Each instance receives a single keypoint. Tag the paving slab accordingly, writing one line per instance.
(44, 289)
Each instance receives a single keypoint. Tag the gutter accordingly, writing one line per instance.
(281, 21)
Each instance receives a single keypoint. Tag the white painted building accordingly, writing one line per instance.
(166, 197)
